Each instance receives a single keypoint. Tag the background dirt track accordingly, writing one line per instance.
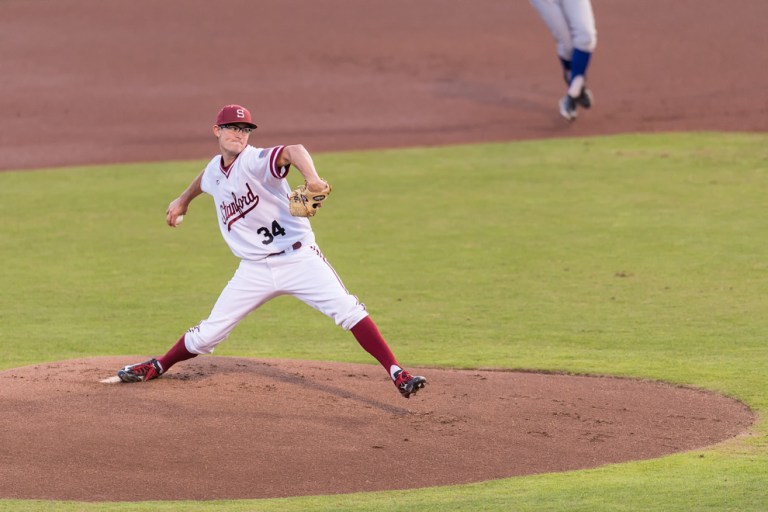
(94, 81)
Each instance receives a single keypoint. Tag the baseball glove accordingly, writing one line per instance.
(304, 203)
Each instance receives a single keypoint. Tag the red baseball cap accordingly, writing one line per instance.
(232, 114)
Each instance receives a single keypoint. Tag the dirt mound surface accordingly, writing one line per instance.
(220, 427)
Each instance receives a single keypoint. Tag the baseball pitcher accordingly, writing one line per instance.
(266, 225)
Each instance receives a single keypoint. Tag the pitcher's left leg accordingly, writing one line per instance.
(326, 293)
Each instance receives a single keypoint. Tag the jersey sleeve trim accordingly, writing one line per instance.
(280, 172)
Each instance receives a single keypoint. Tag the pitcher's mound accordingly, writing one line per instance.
(227, 428)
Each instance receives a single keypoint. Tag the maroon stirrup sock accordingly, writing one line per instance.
(368, 336)
(177, 353)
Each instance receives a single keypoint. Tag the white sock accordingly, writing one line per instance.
(393, 370)
(574, 90)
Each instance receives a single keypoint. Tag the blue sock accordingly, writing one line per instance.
(580, 63)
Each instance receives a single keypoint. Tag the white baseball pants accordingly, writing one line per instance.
(572, 23)
(304, 273)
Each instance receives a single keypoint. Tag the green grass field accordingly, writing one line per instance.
(630, 255)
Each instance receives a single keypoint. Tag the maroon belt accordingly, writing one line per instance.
(295, 247)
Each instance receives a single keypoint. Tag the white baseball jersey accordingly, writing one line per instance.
(251, 200)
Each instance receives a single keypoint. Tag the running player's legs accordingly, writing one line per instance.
(582, 22)
(581, 19)
(249, 288)
(551, 13)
